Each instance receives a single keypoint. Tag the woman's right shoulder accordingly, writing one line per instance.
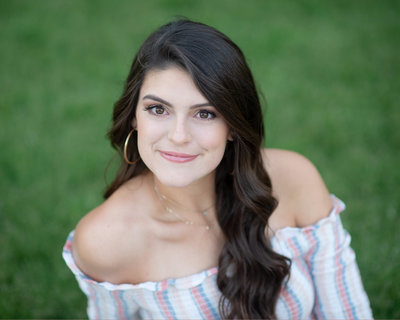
(113, 234)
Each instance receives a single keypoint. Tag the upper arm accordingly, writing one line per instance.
(302, 192)
(89, 247)
(106, 242)
(297, 184)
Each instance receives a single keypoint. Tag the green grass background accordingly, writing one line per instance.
(329, 71)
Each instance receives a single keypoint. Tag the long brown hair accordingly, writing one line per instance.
(250, 272)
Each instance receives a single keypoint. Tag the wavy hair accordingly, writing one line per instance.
(250, 273)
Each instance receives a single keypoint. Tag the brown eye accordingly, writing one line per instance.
(206, 115)
(159, 110)
(156, 110)
(203, 114)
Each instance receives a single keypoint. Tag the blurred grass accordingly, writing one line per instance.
(329, 71)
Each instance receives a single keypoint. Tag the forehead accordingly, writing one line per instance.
(172, 84)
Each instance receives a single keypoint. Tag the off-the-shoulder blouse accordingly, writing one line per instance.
(324, 282)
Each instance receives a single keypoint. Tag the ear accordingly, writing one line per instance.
(134, 123)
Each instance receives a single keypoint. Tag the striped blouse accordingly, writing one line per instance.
(324, 282)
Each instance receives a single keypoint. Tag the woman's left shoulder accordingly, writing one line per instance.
(301, 192)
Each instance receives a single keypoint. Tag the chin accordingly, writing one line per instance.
(179, 180)
(176, 181)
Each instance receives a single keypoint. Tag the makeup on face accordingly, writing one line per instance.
(181, 136)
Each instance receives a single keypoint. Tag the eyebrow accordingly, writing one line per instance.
(153, 97)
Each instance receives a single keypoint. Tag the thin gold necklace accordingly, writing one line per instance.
(163, 199)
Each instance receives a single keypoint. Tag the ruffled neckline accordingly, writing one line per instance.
(186, 282)
(277, 240)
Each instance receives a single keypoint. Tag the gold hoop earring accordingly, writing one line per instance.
(126, 147)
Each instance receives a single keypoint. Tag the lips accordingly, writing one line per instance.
(177, 157)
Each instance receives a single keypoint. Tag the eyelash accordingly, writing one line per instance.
(154, 106)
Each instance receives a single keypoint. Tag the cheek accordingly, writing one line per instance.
(148, 130)
(214, 139)
(148, 134)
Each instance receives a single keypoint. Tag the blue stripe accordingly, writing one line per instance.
(96, 302)
(163, 315)
(353, 309)
(337, 242)
(126, 308)
(286, 307)
(302, 265)
(195, 302)
(345, 284)
(165, 295)
(290, 291)
(317, 245)
(297, 245)
(215, 314)
(334, 274)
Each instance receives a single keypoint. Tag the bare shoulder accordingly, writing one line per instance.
(302, 194)
(111, 235)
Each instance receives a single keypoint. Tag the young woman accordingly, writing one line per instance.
(200, 221)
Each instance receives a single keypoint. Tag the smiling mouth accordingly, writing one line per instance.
(177, 157)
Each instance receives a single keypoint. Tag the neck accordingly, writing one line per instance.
(196, 197)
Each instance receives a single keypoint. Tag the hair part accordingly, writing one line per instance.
(250, 272)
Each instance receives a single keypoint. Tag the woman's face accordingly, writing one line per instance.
(181, 137)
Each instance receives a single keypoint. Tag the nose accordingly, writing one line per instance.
(179, 132)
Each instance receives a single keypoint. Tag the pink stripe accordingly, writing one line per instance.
(163, 304)
(294, 247)
(182, 307)
(164, 284)
(311, 239)
(299, 263)
(68, 245)
(312, 242)
(202, 303)
(285, 295)
(120, 307)
(339, 278)
(95, 302)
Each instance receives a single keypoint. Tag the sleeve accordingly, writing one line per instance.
(106, 304)
(339, 292)
(105, 300)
